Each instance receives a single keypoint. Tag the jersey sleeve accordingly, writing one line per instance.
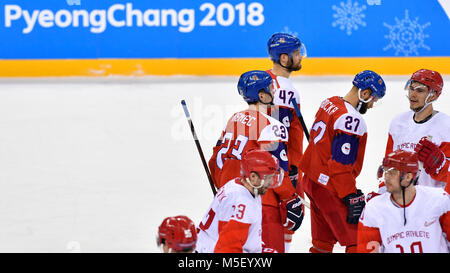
(389, 145)
(215, 173)
(369, 237)
(444, 219)
(295, 144)
(235, 220)
(389, 149)
(286, 190)
(445, 224)
(232, 236)
(347, 153)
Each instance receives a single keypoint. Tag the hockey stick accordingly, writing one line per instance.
(305, 130)
(199, 148)
(300, 118)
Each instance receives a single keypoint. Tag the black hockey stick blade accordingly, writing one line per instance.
(199, 147)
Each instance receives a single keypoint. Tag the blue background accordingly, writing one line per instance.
(311, 20)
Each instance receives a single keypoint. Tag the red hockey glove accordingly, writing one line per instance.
(292, 212)
(355, 204)
(432, 157)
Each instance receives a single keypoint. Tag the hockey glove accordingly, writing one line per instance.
(355, 203)
(292, 211)
(293, 175)
(432, 157)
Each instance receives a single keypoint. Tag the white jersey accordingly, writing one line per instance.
(233, 222)
(283, 99)
(422, 233)
(284, 93)
(405, 133)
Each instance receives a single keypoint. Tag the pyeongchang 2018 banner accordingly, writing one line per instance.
(87, 29)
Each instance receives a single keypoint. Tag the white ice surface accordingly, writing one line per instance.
(95, 165)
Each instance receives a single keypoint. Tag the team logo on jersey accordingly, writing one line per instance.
(427, 224)
(286, 121)
(283, 155)
(346, 148)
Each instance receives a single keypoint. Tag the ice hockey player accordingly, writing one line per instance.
(286, 52)
(177, 235)
(233, 221)
(333, 160)
(407, 218)
(422, 126)
(254, 129)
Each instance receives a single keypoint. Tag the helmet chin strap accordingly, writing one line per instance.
(267, 103)
(255, 188)
(289, 68)
(426, 103)
(402, 175)
(361, 101)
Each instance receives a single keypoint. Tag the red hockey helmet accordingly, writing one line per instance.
(264, 164)
(178, 233)
(430, 78)
(403, 161)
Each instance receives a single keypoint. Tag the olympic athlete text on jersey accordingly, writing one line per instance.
(407, 129)
(396, 221)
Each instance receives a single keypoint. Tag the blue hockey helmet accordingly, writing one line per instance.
(252, 82)
(284, 43)
(368, 79)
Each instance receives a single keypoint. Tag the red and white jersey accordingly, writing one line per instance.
(447, 187)
(335, 154)
(427, 226)
(233, 222)
(247, 130)
(285, 92)
(405, 133)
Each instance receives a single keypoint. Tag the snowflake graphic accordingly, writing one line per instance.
(406, 36)
(287, 30)
(348, 16)
(73, 2)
